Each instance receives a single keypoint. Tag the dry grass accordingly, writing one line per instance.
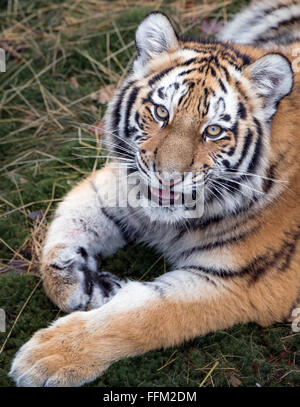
(58, 55)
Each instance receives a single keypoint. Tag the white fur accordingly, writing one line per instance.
(253, 22)
(272, 78)
(154, 36)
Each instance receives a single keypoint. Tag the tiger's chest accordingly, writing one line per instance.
(182, 247)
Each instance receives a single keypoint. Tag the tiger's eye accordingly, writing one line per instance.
(213, 130)
(161, 112)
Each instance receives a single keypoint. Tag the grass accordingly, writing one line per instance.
(58, 54)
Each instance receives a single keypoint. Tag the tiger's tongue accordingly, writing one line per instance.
(162, 193)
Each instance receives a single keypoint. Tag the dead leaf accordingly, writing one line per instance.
(74, 82)
(255, 368)
(97, 128)
(283, 355)
(103, 95)
(234, 380)
(211, 27)
(189, 4)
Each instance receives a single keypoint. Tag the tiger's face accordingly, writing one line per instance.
(193, 121)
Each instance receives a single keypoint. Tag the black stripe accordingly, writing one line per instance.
(246, 146)
(148, 99)
(82, 252)
(220, 272)
(230, 53)
(241, 91)
(234, 130)
(131, 99)
(225, 72)
(226, 117)
(265, 39)
(232, 186)
(213, 72)
(231, 61)
(210, 45)
(88, 280)
(280, 260)
(206, 278)
(271, 173)
(189, 62)
(179, 236)
(120, 147)
(160, 75)
(199, 224)
(217, 244)
(203, 60)
(107, 282)
(284, 256)
(214, 193)
(116, 111)
(188, 71)
(156, 286)
(258, 148)
(280, 39)
(104, 280)
(160, 92)
(222, 86)
(127, 234)
(257, 18)
(206, 102)
(242, 111)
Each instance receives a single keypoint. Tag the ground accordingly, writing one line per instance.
(59, 54)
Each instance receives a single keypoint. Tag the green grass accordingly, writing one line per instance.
(40, 113)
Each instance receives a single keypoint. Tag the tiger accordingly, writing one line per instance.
(212, 124)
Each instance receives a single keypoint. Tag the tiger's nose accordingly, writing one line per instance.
(169, 179)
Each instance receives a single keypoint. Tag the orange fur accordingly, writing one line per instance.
(82, 345)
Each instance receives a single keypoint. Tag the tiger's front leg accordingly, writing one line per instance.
(82, 233)
(141, 317)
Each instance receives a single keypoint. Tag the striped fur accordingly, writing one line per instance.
(268, 24)
(238, 261)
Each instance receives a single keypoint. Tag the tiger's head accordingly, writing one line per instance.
(193, 118)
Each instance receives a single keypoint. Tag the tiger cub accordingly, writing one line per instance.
(210, 133)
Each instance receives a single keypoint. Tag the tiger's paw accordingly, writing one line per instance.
(62, 355)
(73, 280)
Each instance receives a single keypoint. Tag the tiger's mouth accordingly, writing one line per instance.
(167, 197)
(163, 193)
(175, 189)
(164, 196)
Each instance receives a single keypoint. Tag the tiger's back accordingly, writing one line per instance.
(267, 24)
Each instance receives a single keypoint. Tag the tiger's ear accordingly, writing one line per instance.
(154, 36)
(273, 78)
